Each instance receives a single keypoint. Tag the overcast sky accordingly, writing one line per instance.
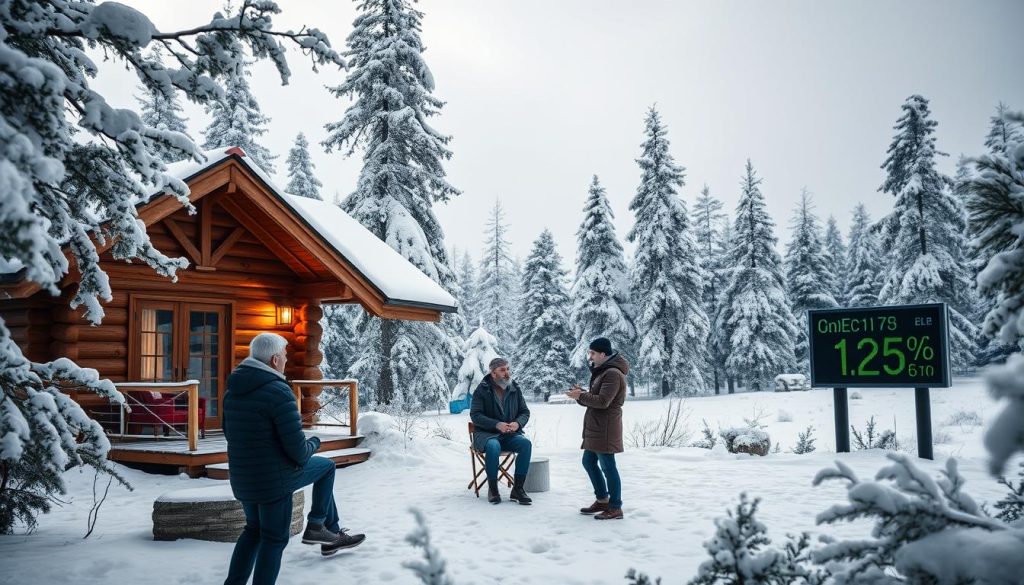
(542, 94)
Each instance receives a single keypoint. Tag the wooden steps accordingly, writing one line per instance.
(342, 457)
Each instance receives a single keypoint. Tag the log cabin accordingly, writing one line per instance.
(259, 260)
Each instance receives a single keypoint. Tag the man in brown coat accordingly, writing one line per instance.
(602, 427)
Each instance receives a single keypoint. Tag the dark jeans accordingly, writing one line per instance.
(514, 442)
(267, 526)
(613, 489)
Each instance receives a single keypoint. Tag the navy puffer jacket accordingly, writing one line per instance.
(266, 446)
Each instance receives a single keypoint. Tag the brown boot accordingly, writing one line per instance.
(610, 514)
(597, 506)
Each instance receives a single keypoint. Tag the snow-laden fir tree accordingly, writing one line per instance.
(236, 119)
(809, 275)
(924, 234)
(402, 177)
(74, 166)
(755, 322)
(340, 340)
(479, 349)
(864, 261)
(466, 280)
(837, 253)
(1004, 131)
(497, 289)
(545, 341)
(161, 111)
(717, 339)
(708, 220)
(301, 178)
(432, 570)
(600, 297)
(667, 286)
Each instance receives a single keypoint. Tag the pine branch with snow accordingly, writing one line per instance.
(545, 341)
(162, 112)
(600, 295)
(432, 570)
(864, 261)
(666, 282)
(301, 178)
(925, 530)
(837, 255)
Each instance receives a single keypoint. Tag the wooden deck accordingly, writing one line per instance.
(213, 450)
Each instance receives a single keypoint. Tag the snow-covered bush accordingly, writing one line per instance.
(925, 531)
(856, 395)
(872, 439)
(784, 416)
(1011, 507)
(432, 570)
(963, 418)
(746, 440)
(708, 439)
(480, 349)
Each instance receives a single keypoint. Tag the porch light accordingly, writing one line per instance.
(284, 315)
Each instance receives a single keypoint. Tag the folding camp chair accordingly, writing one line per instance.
(505, 462)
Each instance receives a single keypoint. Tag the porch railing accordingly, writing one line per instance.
(157, 414)
(312, 390)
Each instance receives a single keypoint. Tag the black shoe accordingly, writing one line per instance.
(344, 540)
(318, 534)
(518, 493)
(492, 491)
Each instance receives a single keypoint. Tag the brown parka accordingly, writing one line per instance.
(602, 424)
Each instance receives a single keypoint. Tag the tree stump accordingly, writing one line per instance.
(208, 513)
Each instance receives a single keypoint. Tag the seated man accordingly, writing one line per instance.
(499, 413)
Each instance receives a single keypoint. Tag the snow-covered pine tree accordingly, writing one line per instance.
(667, 287)
(48, 111)
(545, 341)
(467, 287)
(836, 250)
(600, 298)
(708, 221)
(1004, 131)
(301, 178)
(161, 111)
(236, 119)
(924, 234)
(402, 176)
(755, 321)
(809, 275)
(864, 261)
(717, 339)
(340, 340)
(497, 289)
(480, 348)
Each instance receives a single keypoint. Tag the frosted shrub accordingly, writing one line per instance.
(872, 439)
(856, 395)
(784, 416)
(942, 436)
(432, 570)
(746, 440)
(1011, 507)
(670, 430)
(805, 442)
(708, 438)
(963, 418)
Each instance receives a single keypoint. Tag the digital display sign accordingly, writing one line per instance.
(899, 346)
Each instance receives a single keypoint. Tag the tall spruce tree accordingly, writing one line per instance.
(497, 290)
(402, 177)
(301, 178)
(708, 221)
(237, 119)
(1004, 131)
(465, 274)
(864, 260)
(836, 250)
(809, 275)
(996, 208)
(600, 297)
(73, 166)
(717, 339)
(163, 110)
(755, 321)
(672, 326)
(924, 234)
(479, 349)
(542, 350)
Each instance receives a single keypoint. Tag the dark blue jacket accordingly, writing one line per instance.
(486, 414)
(266, 446)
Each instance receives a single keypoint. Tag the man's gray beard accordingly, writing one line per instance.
(502, 382)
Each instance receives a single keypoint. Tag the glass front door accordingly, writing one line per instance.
(180, 341)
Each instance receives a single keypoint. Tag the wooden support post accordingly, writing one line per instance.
(297, 391)
(353, 407)
(193, 416)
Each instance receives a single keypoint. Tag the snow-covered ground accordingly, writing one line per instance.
(671, 496)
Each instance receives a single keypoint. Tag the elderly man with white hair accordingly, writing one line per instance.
(499, 413)
(270, 457)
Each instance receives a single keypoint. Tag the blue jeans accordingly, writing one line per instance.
(266, 531)
(613, 489)
(514, 442)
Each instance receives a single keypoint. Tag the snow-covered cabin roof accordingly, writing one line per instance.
(398, 281)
